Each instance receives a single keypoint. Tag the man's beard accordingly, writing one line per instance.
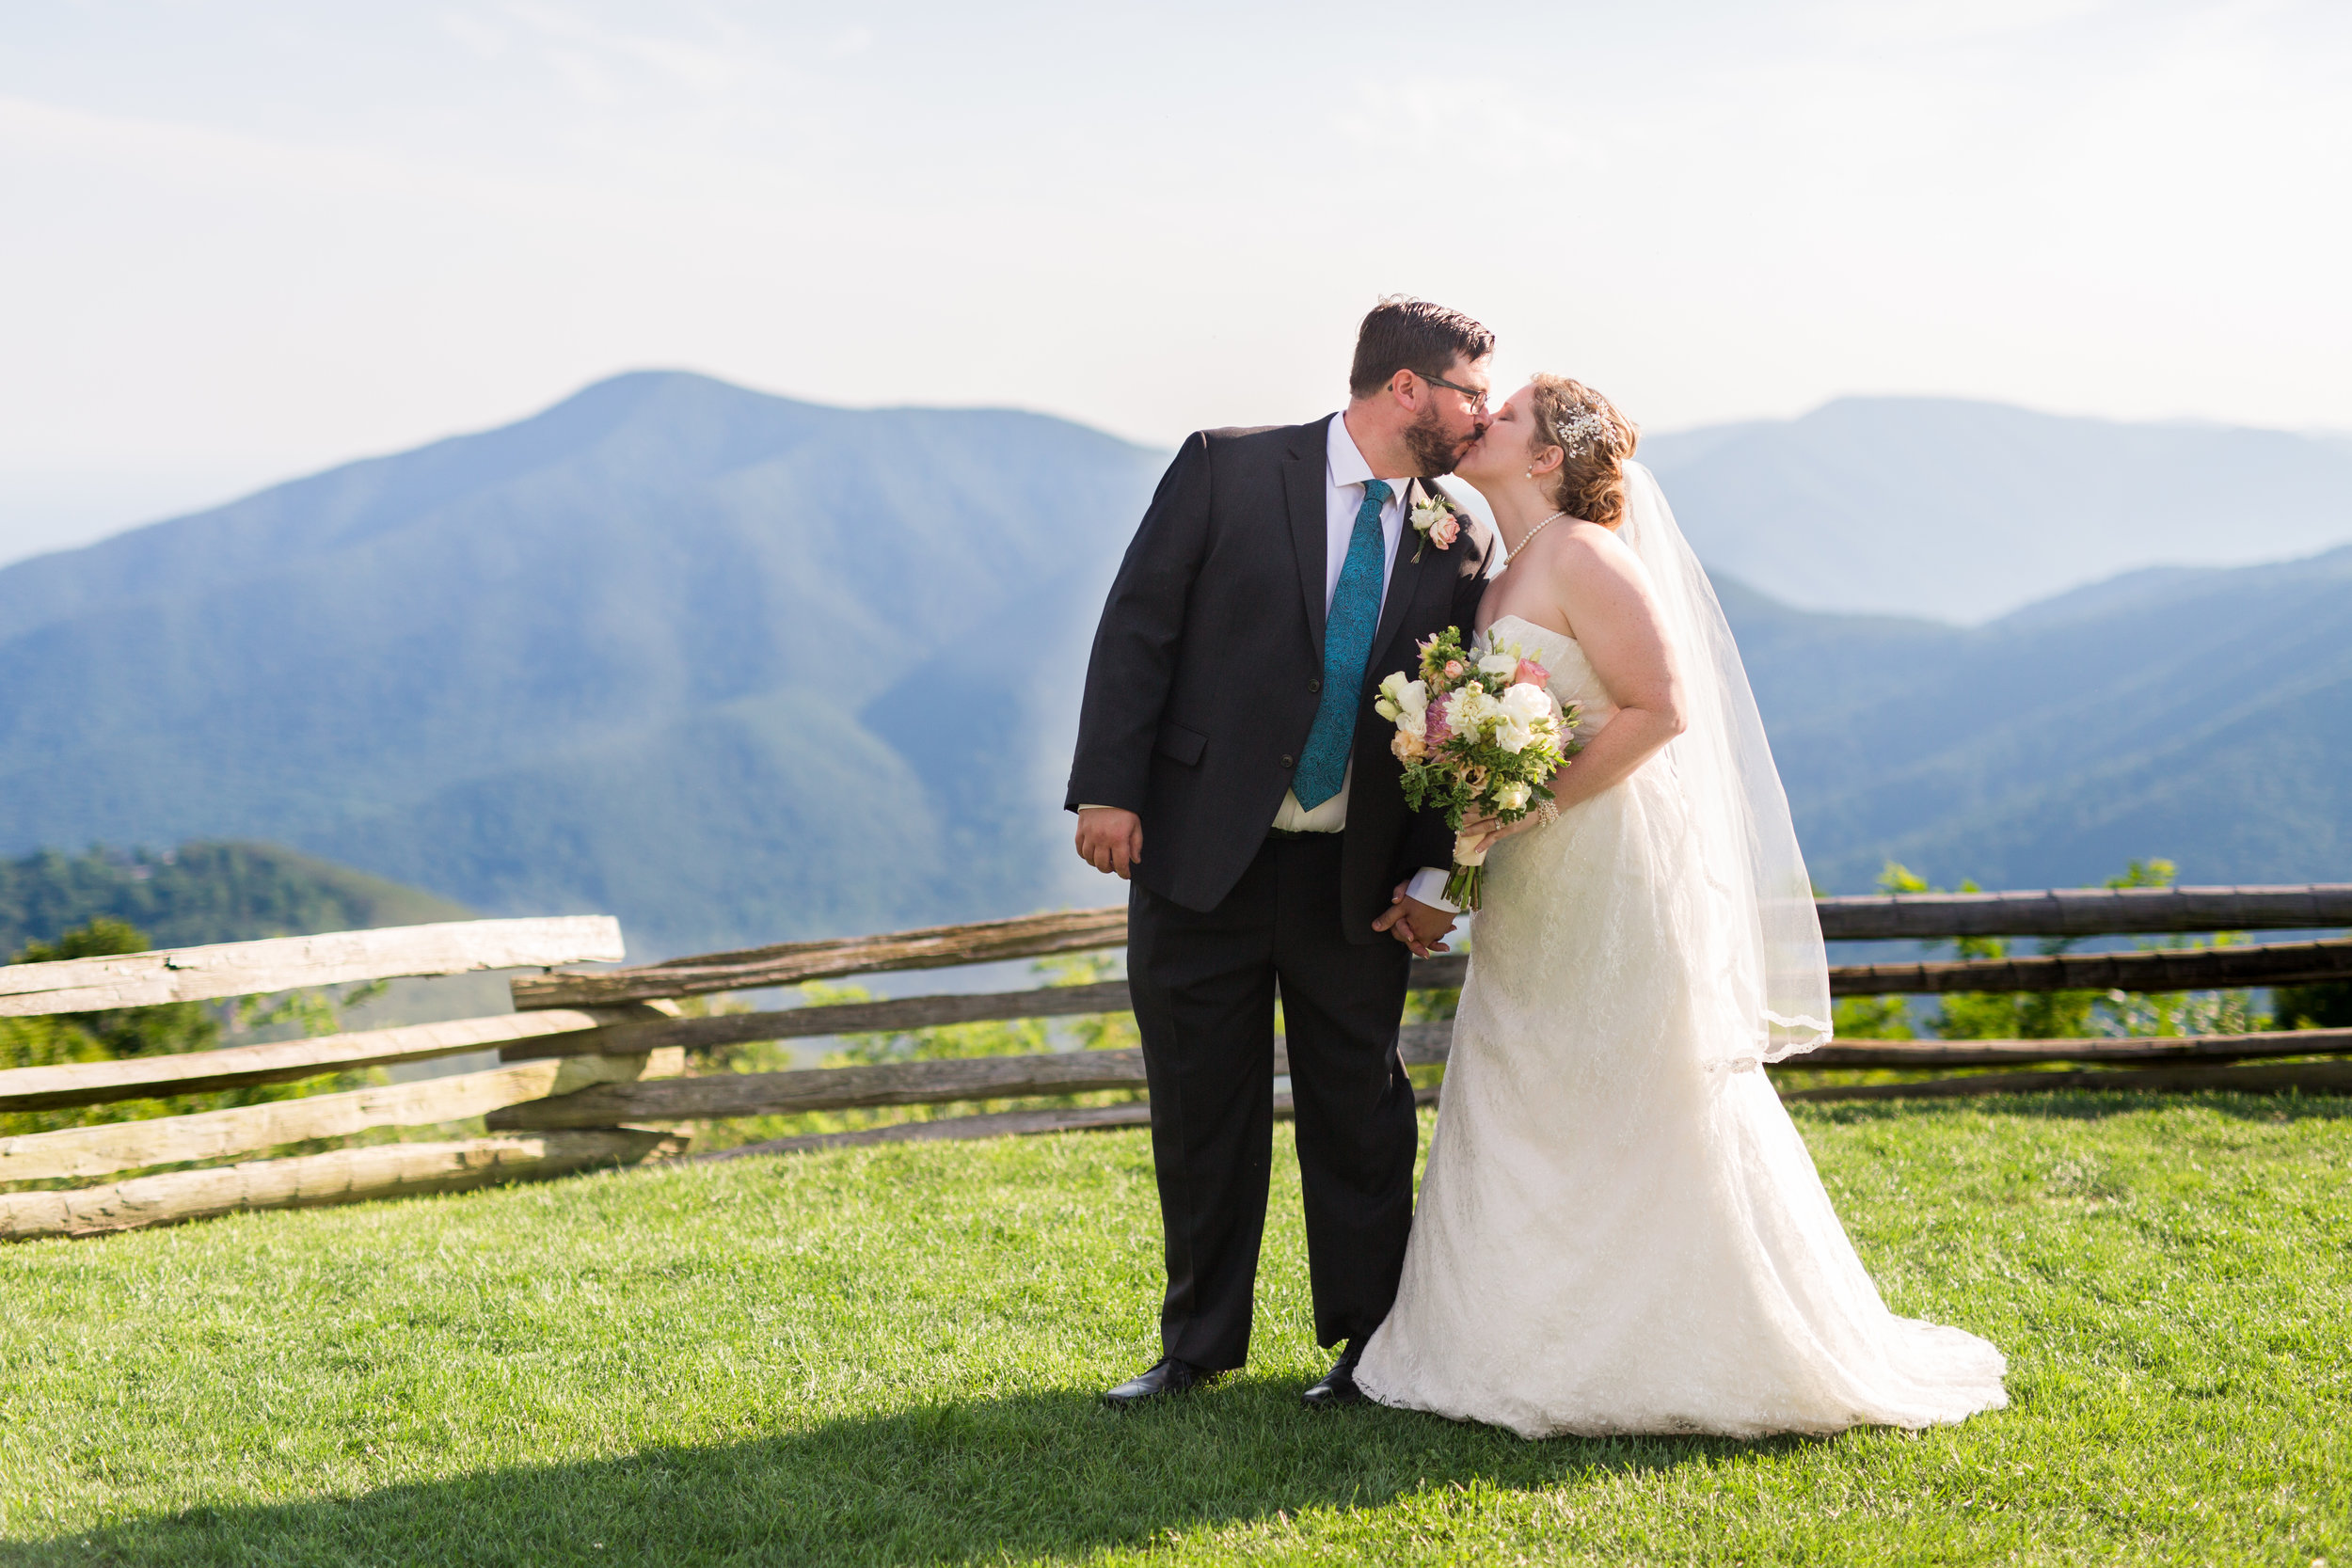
(1434, 452)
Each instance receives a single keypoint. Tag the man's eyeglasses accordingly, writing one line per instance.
(1477, 398)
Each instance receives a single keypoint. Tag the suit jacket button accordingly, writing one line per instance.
(1315, 685)
(1289, 761)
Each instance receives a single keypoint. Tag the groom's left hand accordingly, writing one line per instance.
(1417, 925)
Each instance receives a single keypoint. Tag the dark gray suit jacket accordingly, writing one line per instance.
(1208, 666)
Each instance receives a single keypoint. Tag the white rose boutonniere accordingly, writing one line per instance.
(1437, 524)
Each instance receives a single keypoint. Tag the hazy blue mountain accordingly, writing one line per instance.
(1964, 510)
(2204, 716)
(732, 667)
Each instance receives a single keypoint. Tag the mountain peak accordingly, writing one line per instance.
(725, 664)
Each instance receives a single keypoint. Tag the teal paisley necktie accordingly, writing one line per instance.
(1346, 646)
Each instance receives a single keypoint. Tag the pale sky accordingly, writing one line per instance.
(245, 240)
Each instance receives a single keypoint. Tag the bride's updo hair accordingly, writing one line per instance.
(1598, 442)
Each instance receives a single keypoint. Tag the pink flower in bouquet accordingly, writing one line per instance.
(1454, 669)
(1444, 532)
(1530, 674)
(1408, 747)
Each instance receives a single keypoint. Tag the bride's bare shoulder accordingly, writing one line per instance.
(1591, 567)
(1588, 547)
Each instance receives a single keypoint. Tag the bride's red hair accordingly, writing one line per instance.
(1597, 441)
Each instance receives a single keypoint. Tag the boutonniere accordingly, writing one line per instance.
(1437, 524)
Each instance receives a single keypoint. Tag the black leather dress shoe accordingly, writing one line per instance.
(1338, 1386)
(1170, 1376)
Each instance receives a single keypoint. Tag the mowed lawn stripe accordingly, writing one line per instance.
(892, 1355)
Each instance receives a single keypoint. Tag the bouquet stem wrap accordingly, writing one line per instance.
(1466, 888)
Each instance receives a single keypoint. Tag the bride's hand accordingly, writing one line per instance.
(1485, 832)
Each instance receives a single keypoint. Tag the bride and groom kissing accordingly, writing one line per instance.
(1620, 1230)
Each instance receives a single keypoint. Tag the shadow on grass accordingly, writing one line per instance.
(1035, 1475)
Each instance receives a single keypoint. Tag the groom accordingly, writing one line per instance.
(1230, 762)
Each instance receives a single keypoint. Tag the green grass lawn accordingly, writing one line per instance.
(893, 1355)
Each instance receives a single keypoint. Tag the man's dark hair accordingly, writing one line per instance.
(1407, 334)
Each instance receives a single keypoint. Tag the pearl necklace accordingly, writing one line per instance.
(1531, 536)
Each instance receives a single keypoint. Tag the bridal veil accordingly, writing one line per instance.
(1777, 968)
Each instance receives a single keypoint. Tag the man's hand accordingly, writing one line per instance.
(1111, 839)
(1415, 924)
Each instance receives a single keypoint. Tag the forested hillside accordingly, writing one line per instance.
(2201, 715)
(201, 892)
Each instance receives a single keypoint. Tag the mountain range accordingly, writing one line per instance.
(1966, 511)
(731, 666)
(2203, 716)
(739, 669)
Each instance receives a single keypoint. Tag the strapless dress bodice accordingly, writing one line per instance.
(1572, 677)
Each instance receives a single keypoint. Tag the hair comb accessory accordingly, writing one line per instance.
(1589, 430)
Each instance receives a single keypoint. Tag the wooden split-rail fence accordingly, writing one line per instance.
(593, 1063)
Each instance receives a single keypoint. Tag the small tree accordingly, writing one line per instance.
(114, 1033)
(2321, 1006)
(166, 1027)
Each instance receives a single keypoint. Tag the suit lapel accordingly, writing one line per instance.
(1405, 578)
(1303, 477)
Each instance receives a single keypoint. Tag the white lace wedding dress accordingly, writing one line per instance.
(1617, 1233)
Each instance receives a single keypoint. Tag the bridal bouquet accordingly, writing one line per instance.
(1478, 733)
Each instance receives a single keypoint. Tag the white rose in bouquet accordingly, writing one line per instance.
(1513, 796)
(1399, 697)
(1405, 703)
(1499, 667)
(1526, 713)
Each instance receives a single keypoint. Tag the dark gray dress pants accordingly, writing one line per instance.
(1204, 990)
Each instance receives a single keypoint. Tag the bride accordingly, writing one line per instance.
(1620, 1230)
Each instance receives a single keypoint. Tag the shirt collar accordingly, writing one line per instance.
(1347, 465)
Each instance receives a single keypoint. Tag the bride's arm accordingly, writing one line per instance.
(1605, 595)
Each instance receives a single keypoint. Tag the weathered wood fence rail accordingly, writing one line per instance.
(592, 1066)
